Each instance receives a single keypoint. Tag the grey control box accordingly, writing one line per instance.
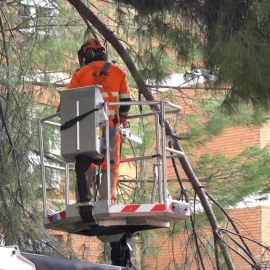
(85, 137)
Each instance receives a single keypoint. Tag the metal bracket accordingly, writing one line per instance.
(122, 252)
(86, 212)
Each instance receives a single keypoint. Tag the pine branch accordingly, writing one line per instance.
(245, 248)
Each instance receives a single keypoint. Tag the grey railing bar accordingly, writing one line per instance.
(173, 105)
(42, 168)
(159, 165)
(141, 115)
(50, 123)
(49, 117)
(147, 157)
(67, 183)
(149, 114)
(107, 131)
(155, 174)
(182, 154)
(133, 103)
(55, 167)
(78, 125)
(163, 147)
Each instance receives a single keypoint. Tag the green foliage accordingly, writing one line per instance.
(31, 56)
(160, 43)
(238, 51)
(233, 36)
(231, 180)
(146, 7)
(244, 64)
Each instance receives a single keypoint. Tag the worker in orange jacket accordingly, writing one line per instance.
(95, 70)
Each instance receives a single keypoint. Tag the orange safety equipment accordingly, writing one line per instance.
(113, 82)
(92, 43)
(114, 88)
(92, 50)
(114, 169)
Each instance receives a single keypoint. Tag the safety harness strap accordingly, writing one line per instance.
(105, 68)
(76, 119)
(114, 130)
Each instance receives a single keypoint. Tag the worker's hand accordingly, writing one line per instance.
(124, 122)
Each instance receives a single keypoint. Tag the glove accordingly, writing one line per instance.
(124, 122)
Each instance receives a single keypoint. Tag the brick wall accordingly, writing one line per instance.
(232, 141)
(89, 248)
(265, 134)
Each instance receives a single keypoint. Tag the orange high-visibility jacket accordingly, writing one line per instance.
(113, 81)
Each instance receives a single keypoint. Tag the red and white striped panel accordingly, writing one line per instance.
(139, 208)
(134, 208)
(56, 217)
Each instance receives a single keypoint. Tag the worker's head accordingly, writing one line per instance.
(92, 50)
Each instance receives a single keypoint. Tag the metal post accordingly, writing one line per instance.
(155, 174)
(42, 165)
(78, 125)
(67, 184)
(107, 139)
(164, 161)
(122, 252)
(158, 157)
(42, 168)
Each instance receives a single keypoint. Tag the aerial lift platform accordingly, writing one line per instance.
(114, 223)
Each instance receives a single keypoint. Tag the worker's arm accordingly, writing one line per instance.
(124, 95)
(74, 83)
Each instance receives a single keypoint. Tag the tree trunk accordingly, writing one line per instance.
(87, 14)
